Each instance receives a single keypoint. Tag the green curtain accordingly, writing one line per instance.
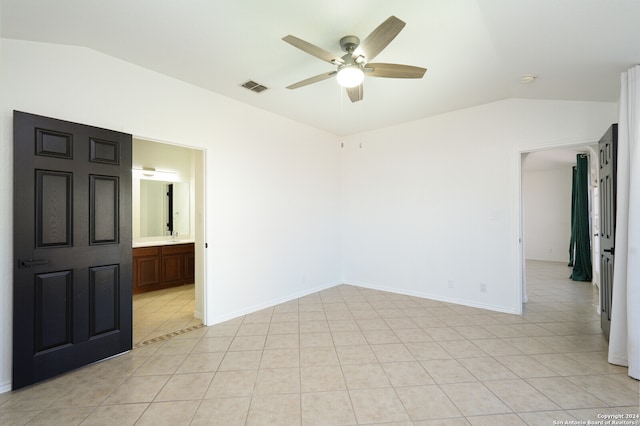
(580, 229)
(573, 209)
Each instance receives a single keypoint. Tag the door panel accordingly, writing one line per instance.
(53, 310)
(104, 296)
(608, 150)
(72, 243)
(53, 208)
(103, 211)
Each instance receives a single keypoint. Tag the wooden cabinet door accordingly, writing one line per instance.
(189, 268)
(173, 268)
(146, 269)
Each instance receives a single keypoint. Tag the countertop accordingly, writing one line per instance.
(167, 241)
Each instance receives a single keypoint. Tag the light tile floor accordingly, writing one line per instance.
(349, 355)
(158, 313)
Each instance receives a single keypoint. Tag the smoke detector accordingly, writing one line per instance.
(528, 78)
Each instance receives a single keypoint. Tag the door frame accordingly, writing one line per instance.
(521, 155)
(200, 206)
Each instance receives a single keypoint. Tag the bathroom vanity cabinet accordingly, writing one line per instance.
(158, 267)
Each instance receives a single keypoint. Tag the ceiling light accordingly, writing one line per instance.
(148, 171)
(350, 76)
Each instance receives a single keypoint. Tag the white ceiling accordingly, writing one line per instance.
(475, 50)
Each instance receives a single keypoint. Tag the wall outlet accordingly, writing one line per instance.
(483, 287)
(450, 284)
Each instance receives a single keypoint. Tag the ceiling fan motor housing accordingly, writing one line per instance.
(349, 43)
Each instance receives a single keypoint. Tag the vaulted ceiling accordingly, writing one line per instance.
(476, 51)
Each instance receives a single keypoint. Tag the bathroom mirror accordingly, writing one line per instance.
(161, 213)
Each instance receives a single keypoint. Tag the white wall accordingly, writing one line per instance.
(431, 207)
(547, 208)
(272, 187)
(163, 157)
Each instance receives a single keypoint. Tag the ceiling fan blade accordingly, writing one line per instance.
(355, 93)
(313, 50)
(395, 71)
(312, 80)
(379, 38)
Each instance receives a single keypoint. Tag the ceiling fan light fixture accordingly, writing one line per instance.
(350, 76)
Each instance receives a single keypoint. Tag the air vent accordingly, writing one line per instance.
(254, 87)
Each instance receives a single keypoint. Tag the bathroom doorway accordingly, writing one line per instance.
(168, 239)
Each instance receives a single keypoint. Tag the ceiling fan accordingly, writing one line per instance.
(354, 65)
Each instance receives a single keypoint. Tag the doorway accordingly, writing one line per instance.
(162, 225)
(545, 207)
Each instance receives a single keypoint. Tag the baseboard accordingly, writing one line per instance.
(198, 315)
(430, 296)
(5, 387)
(269, 304)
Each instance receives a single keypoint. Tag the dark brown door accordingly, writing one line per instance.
(72, 246)
(608, 149)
